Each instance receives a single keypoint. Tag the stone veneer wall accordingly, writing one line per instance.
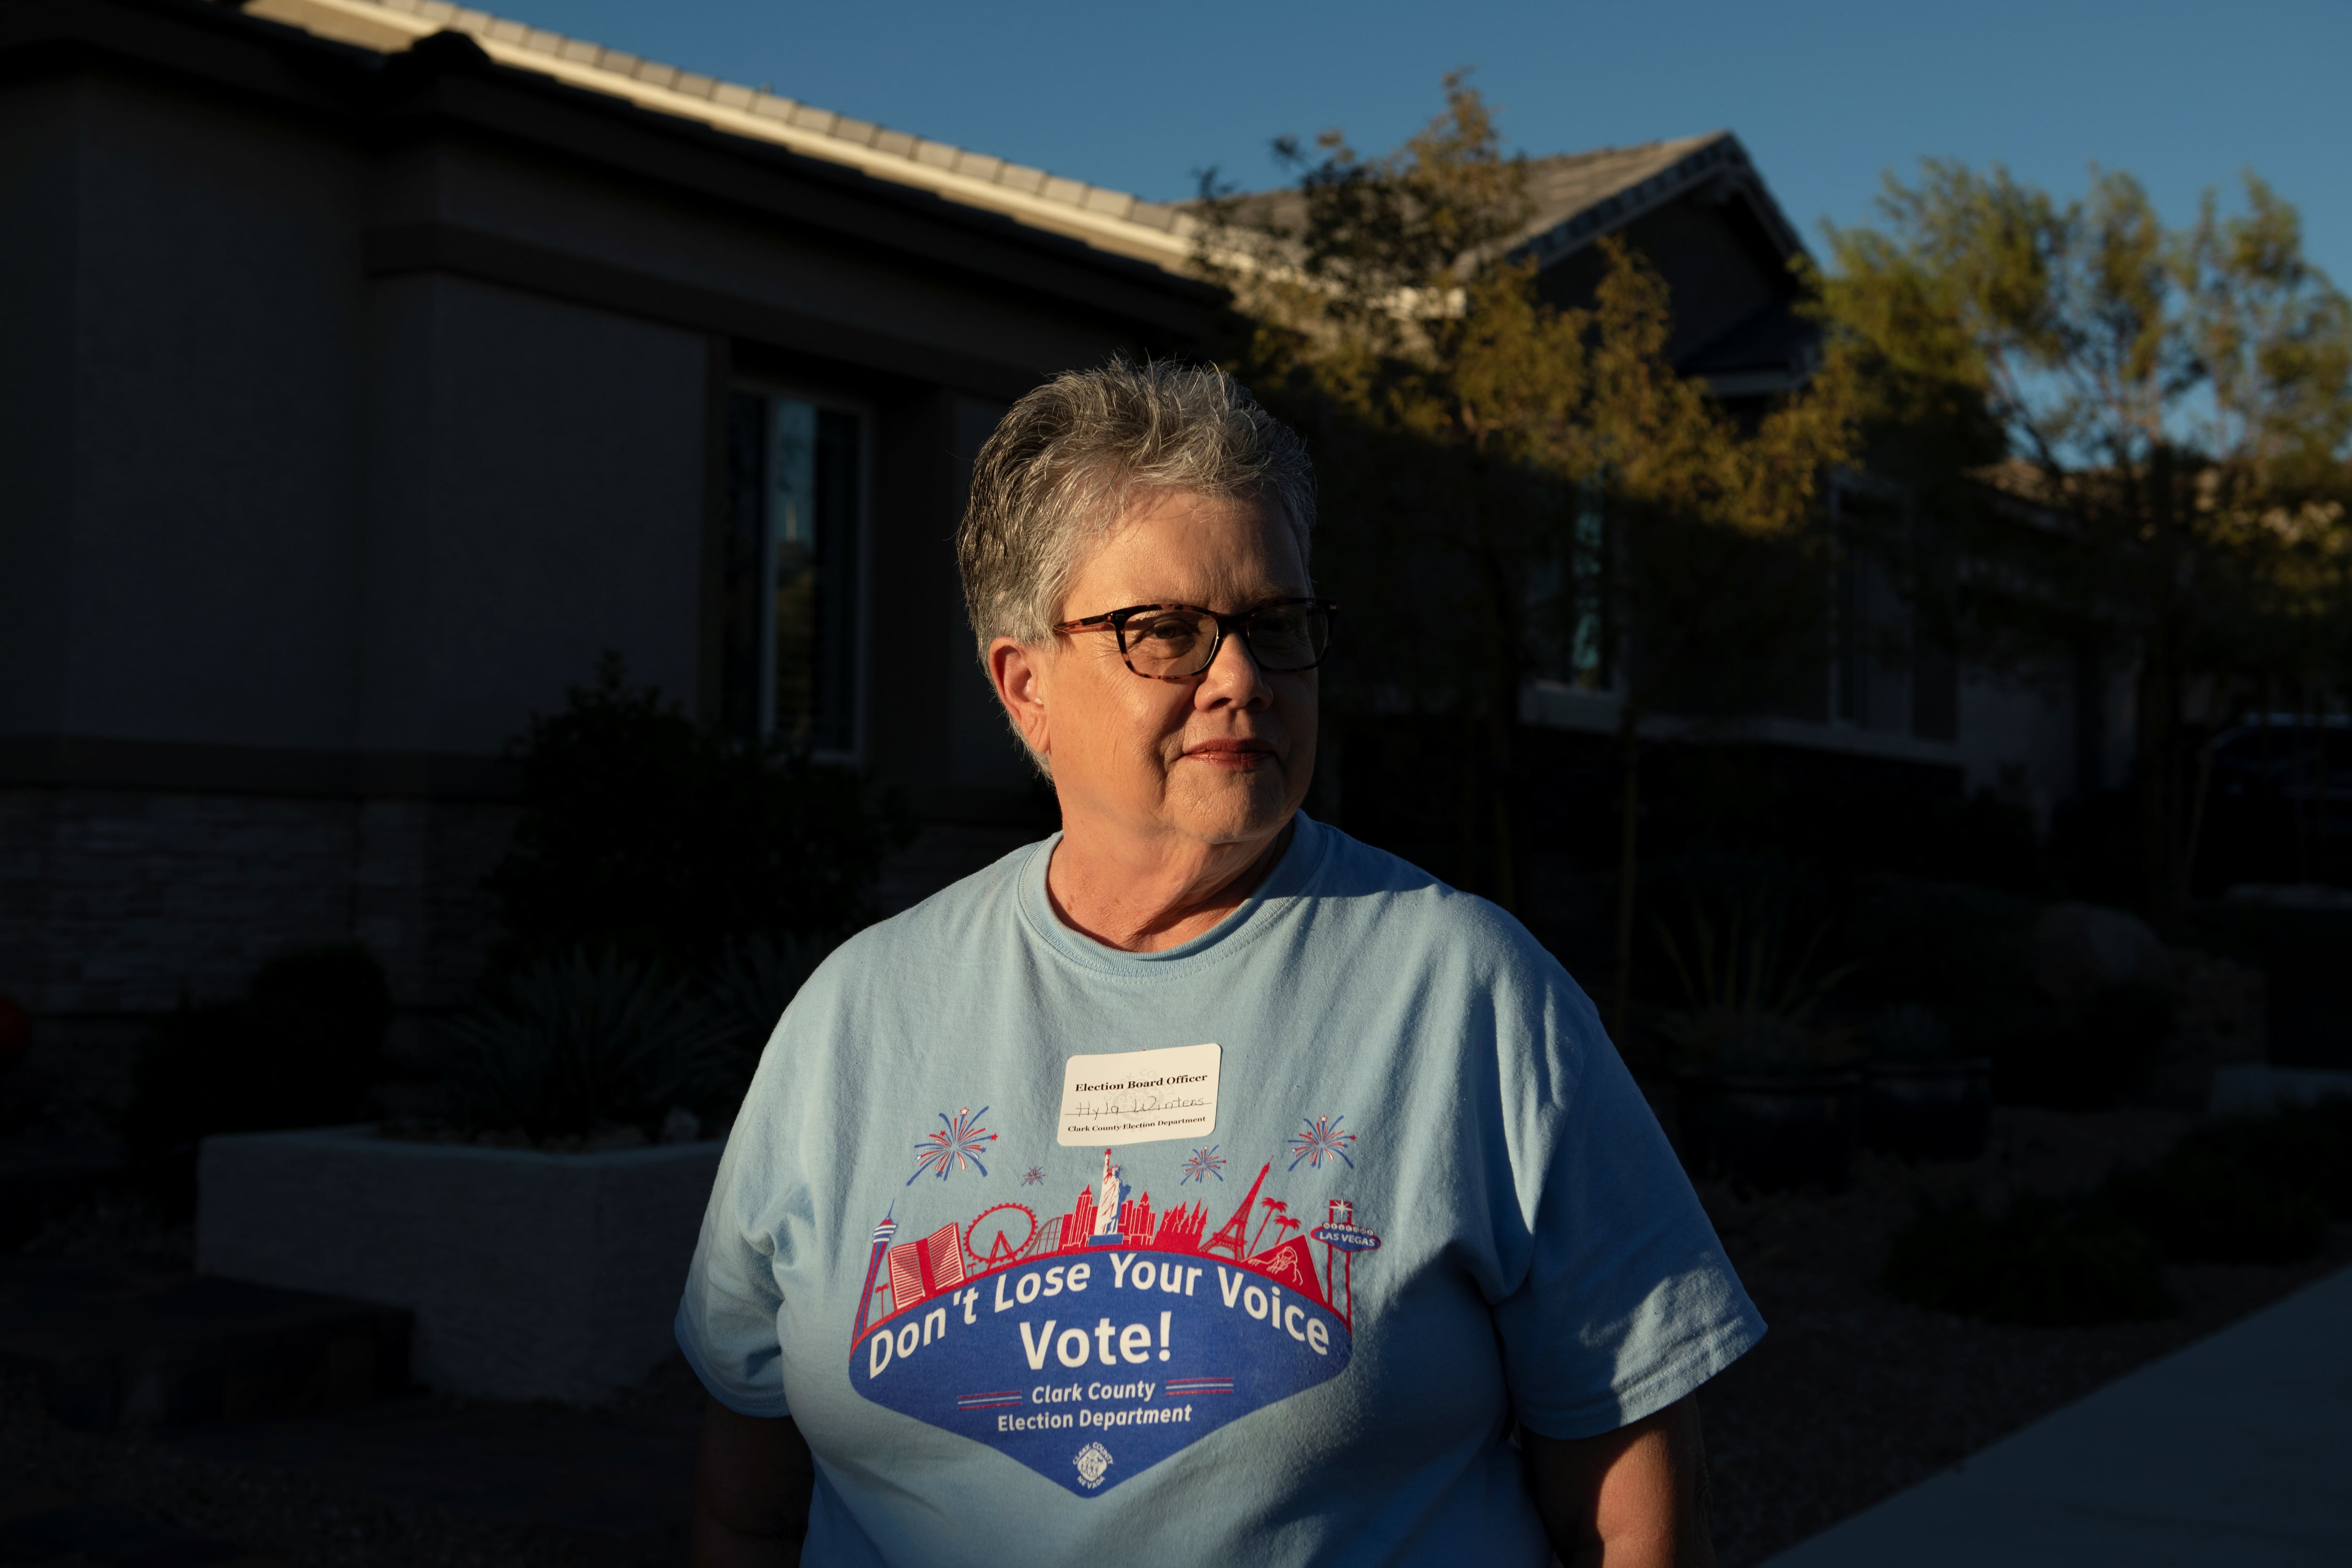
(117, 902)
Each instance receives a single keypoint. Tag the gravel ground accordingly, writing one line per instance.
(308, 1515)
(1851, 1396)
(262, 1510)
(1854, 1395)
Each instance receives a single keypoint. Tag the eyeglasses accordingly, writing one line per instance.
(1177, 642)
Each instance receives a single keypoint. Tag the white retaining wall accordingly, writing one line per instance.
(530, 1276)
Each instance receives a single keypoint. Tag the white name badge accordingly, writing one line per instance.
(1140, 1096)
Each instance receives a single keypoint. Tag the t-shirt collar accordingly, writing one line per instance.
(1291, 877)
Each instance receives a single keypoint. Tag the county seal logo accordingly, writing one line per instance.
(1094, 1464)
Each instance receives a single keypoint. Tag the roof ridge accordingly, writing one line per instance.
(1162, 233)
(1696, 139)
(1155, 230)
(1690, 160)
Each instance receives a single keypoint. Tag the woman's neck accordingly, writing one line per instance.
(1159, 899)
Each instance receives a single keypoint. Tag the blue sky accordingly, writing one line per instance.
(1825, 95)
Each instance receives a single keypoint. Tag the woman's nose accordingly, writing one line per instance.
(1233, 676)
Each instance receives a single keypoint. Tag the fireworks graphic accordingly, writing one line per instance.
(1034, 1176)
(1322, 1136)
(957, 1144)
(1204, 1164)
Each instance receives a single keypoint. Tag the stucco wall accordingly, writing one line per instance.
(36, 292)
(216, 319)
(535, 492)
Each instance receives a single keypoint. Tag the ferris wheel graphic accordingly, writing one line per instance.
(1000, 1234)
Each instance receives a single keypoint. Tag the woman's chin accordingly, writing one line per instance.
(1240, 806)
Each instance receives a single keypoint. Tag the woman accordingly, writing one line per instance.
(1198, 1185)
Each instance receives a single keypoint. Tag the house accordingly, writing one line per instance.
(375, 364)
(1699, 211)
(367, 378)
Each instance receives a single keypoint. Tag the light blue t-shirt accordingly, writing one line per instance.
(1288, 1316)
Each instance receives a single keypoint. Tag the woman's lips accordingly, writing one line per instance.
(1239, 755)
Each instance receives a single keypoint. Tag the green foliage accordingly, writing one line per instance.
(643, 834)
(2199, 1204)
(587, 1042)
(2138, 436)
(1513, 475)
(2036, 1261)
(300, 1049)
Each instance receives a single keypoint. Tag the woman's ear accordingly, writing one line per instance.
(1016, 671)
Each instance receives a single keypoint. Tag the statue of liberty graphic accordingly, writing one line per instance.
(1110, 1199)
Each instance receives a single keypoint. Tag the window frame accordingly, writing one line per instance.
(768, 389)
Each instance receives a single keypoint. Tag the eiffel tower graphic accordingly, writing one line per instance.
(1233, 1237)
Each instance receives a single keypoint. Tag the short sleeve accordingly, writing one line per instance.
(1628, 1302)
(727, 1319)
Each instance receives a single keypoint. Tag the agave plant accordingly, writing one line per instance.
(1746, 993)
(590, 1041)
(758, 978)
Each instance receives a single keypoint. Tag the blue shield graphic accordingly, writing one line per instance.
(1091, 1365)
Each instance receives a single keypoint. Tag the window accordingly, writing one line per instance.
(1569, 613)
(1589, 642)
(794, 472)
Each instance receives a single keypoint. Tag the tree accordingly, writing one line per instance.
(1510, 472)
(2173, 406)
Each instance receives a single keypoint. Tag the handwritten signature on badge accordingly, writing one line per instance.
(1133, 1102)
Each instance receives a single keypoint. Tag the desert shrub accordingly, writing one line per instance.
(644, 834)
(588, 1042)
(1957, 949)
(2037, 1261)
(2259, 1190)
(2199, 1204)
(2307, 1148)
(300, 1049)
(2087, 1057)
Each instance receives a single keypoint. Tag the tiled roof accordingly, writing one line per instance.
(1577, 196)
(1580, 196)
(1113, 220)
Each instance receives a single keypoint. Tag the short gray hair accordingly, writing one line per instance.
(1074, 455)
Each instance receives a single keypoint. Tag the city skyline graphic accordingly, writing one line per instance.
(907, 1273)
